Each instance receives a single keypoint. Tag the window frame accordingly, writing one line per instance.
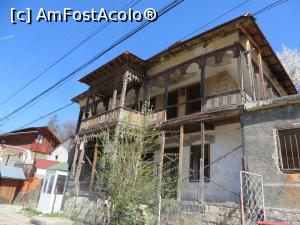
(206, 179)
(279, 148)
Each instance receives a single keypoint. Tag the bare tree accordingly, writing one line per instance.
(53, 124)
(62, 130)
(68, 128)
(290, 59)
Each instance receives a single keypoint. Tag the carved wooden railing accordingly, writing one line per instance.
(118, 115)
(222, 101)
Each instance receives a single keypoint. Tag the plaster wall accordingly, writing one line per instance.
(281, 190)
(224, 174)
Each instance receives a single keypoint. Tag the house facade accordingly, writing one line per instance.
(198, 88)
(27, 144)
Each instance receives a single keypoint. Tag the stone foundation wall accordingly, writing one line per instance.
(86, 208)
(91, 210)
(192, 213)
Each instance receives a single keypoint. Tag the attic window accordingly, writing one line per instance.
(289, 149)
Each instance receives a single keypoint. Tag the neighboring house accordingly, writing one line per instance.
(200, 88)
(40, 141)
(62, 151)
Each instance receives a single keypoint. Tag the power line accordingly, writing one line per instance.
(129, 5)
(268, 7)
(59, 83)
(40, 118)
(45, 116)
(215, 19)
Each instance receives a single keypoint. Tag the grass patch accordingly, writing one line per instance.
(31, 212)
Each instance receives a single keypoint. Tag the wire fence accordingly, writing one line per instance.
(252, 198)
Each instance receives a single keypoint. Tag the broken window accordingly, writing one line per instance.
(172, 105)
(289, 151)
(195, 157)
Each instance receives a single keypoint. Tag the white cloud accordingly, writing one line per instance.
(7, 37)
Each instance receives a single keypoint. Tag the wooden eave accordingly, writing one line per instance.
(251, 28)
(248, 22)
(110, 67)
(80, 97)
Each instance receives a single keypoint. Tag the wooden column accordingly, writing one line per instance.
(250, 68)
(79, 166)
(124, 87)
(114, 99)
(94, 167)
(202, 85)
(261, 72)
(75, 159)
(166, 82)
(201, 180)
(240, 75)
(180, 163)
(81, 111)
(161, 163)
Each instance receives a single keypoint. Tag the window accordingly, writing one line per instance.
(289, 149)
(50, 184)
(193, 99)
(152, 103)
(172, 105)
(195, 157)
(39, 139)
(60, 184)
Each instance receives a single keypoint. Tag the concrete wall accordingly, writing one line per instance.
(281, 190)
(224, 174)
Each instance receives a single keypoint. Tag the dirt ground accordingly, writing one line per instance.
(13, 215)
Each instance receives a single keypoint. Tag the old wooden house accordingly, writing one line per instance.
(198, 87)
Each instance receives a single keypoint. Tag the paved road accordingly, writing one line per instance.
(12, 215)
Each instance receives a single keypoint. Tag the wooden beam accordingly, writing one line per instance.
(250, 68)
(180, 164)
(249, 37)
(94, 167)
(261, 72)
(79, 166)
(75, 159)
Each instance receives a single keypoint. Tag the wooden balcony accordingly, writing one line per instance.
(216, 103)
(121, 114)
(41, 147)
(222, 101)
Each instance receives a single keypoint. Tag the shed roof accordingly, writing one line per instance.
(45, 163)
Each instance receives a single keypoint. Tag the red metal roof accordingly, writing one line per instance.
(44, 163)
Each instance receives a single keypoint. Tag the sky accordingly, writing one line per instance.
(28, 49)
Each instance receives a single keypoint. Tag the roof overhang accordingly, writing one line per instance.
(110, 67)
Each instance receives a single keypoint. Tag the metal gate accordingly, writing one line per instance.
(252, 198)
